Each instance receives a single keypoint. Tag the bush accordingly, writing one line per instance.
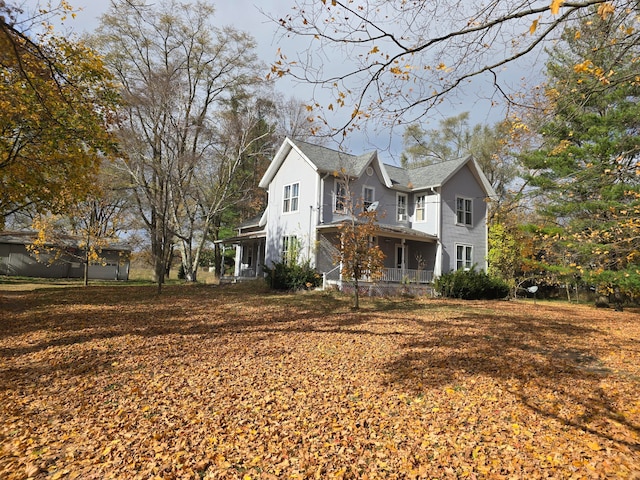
(292, 276)
(470, 285)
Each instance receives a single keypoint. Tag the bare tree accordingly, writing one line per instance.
(175, 68)
(294, 121)
(396, 61)
(224, 180)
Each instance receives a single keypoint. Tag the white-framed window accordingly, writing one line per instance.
(401, 207)
(290, 248)
(421, 208)
(464, 257)
(368, 196)
(464, 207)
(290, 198)
(340, 202)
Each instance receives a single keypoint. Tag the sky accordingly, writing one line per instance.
(250, 16)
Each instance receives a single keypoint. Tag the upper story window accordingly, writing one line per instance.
(290, 198)
(401, 207)
(421, 208)
(464, 257)
(464, 206)
(340, 204)
(368, 195)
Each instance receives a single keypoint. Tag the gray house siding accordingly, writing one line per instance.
(16, 260)
(327, 252)
(463, 184)
(356, 188)
(426, 246)
(420, 255)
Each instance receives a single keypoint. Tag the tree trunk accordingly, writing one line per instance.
(86, 270)
(356, 298)
(217, 260)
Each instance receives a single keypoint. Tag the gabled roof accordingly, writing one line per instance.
(327, 160)
(437, 174)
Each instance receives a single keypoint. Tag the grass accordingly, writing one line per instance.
(235, 381)
(137, 277)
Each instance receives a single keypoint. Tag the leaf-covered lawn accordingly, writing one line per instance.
(220, 382)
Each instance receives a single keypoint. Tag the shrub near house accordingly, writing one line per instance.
(471, 285)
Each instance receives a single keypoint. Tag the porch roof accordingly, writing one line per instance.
(243, 236)
(394, 231)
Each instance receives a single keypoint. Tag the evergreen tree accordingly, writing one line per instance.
(586, 168)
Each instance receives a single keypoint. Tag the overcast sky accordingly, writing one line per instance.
(247, 15)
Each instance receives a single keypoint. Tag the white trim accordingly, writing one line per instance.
(278, 159)
(464, 210)
(424, 208)
(373, 195)
(406, 207)
(465, 247)
(290, 198)
(334, 206)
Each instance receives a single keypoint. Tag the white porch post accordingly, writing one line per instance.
(238, 265)
(259, 259)
(437, 267)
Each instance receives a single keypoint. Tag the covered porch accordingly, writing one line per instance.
(411, 257)
(249, 258)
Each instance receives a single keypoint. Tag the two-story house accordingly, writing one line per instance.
(431, 219)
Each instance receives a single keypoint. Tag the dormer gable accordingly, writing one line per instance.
(438, 174)
(326, 160)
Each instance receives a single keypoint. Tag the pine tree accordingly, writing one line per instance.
(586, 168)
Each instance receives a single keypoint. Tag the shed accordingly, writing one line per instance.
(17, 260)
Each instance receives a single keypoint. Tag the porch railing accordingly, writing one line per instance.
(389, 275)
(400, 275)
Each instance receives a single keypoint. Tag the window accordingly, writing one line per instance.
(463, 210)
(401, 207)
(290, 198)
(340, 204)
(421, 204)
(290, 249)
(464, 257)
(368, 194)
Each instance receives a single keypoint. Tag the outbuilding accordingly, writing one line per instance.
(62, 260)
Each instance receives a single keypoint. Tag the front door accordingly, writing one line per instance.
(400, 256)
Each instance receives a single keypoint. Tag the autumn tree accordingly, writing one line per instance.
(360, 257)
(91, 225)
(56, 104)
(175, 68)
(396, 61)
(513, 248)
(585, 169)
